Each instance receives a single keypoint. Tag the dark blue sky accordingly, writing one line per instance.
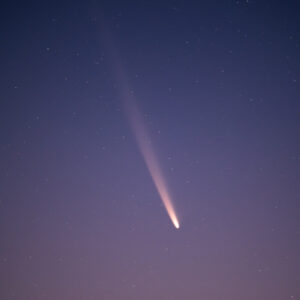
(217, 83)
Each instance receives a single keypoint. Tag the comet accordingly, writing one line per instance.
(139, 129)
(145, 145)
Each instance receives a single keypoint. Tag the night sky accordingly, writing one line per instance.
(216, 87)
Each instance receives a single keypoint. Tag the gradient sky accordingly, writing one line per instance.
(217, 83)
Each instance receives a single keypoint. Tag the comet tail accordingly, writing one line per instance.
(147, 151)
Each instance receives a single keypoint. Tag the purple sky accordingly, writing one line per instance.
(217, 83)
